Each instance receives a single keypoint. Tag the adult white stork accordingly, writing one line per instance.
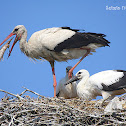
(58, 43)
(106, 84)
(68, 91)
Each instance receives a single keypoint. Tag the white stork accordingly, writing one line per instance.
(57, 44)
(68, 91)
(106, 84)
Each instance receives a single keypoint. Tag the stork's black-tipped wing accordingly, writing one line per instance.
(118, 85)
(76, 30)
(79, 40)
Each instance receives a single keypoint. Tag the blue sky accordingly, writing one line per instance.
(90, 15)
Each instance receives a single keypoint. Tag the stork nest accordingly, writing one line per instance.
(23, 110)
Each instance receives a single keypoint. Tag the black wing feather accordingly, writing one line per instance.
(79, 40)
(118, 85)
(76, 30)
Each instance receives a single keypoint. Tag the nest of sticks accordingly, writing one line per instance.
(23, 110)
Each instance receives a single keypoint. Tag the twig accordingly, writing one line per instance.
(19, 97)
(12, 120)
(22, 92)
(33, 92)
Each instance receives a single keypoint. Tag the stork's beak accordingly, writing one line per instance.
(16, 39)
(75, 78)
(11, 34)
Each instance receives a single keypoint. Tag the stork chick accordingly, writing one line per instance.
(68, 91)
(106, 84)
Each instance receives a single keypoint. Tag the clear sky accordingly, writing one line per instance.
(35, 15)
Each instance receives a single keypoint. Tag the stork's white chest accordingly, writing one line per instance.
(87, 91)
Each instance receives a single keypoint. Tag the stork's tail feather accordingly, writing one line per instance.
(99, 38)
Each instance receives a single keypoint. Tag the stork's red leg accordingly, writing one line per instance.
(55, 83)
(71, 70)
(54, 78)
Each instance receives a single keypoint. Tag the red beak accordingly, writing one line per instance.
(11, 34)
(16, 39)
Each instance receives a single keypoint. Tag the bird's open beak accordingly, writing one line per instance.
(75, 78)
(16, 39)
(11, 34)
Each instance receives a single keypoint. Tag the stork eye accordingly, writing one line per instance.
(16, 29)
(79, 72)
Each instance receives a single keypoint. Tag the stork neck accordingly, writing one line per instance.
(81, 86)
(23, 43)
(83, 82)
(67, 78)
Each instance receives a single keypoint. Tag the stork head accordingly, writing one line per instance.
(79, 75)
(82, 73)
(68, 68)
(18, 31)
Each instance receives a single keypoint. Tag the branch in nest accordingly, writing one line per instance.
(33, 92)
(18, 96)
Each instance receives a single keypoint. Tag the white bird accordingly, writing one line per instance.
(68, 91)
(57, 44)
(106, 84)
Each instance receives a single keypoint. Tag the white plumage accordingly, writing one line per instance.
(107, 77)
(57, 44)
(68, 91)
(106, 84)
(46, 40)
